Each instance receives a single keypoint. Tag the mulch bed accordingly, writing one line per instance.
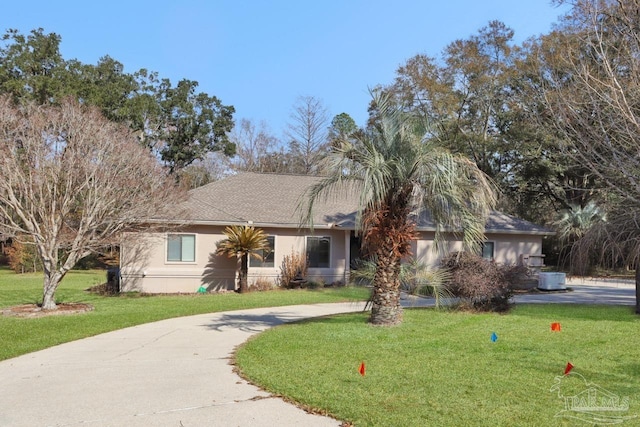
(35, 311)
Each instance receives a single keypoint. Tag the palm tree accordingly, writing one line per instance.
(416, 278)
(242, 242)
(572, 224)
(399, 175)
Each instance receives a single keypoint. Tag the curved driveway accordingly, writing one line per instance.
(176, 372)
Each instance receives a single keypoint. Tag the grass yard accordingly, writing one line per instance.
(19, 336)
(442, 368)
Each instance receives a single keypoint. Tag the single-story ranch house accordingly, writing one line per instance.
(184, 260)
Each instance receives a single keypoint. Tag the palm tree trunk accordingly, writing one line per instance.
(244, 269)
(386, 309)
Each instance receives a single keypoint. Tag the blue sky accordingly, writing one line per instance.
(259, 56)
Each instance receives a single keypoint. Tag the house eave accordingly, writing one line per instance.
(252, 223)
(330, 226)
(529, 232)
(495, 231)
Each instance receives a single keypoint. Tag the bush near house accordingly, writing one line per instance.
(293, 271)
(481, 284)
(262, 284)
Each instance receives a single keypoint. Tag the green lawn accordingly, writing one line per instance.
(442, 368)
(436, 369)
(20, 336)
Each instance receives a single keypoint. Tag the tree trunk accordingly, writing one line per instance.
(51, 281)
(638, 288)
(53, 274)
(385, 308)
(242, 277)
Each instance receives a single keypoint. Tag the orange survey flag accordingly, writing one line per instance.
(361, 369)
(555, 326)
(568, 368)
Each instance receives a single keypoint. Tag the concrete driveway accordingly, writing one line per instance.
(587, 291)
(176, 372)
(580, 291)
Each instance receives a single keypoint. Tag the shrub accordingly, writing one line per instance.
(515, 275)
(262, 283)
(23, 257)
(105, 289)
(293, 270)
(481, 284)
(416, 278)
(315, 283)
(362, 272)
(107, 257)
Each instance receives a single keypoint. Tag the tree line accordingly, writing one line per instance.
(176, 122)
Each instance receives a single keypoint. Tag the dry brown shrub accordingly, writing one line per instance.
(294, 268)
(481, 284)
(262, 283)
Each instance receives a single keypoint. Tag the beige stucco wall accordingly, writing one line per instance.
(508, 248)
(145, 267)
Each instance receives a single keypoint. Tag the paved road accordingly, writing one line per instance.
(176, 372)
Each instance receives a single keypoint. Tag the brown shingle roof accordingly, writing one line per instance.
(272, 200)
(264, 199)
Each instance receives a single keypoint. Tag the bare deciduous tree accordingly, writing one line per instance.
(253, 145)
(307, 132)
(73, 181)
(593, 92)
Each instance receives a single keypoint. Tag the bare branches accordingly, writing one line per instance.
(307, 131)
(593, 93)
(596, 102)
(253, 144)
(74, 181)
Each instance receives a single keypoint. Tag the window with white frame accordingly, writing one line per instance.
(181, 248)
(268, 255)
(488, 250)
(319, 252)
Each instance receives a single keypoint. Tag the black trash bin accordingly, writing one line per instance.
(113, 280)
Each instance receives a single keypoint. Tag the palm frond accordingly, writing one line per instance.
(572, 224)
(416, 278)
(241, 240)
(401, 173)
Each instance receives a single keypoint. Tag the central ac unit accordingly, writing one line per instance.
(552, 281)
